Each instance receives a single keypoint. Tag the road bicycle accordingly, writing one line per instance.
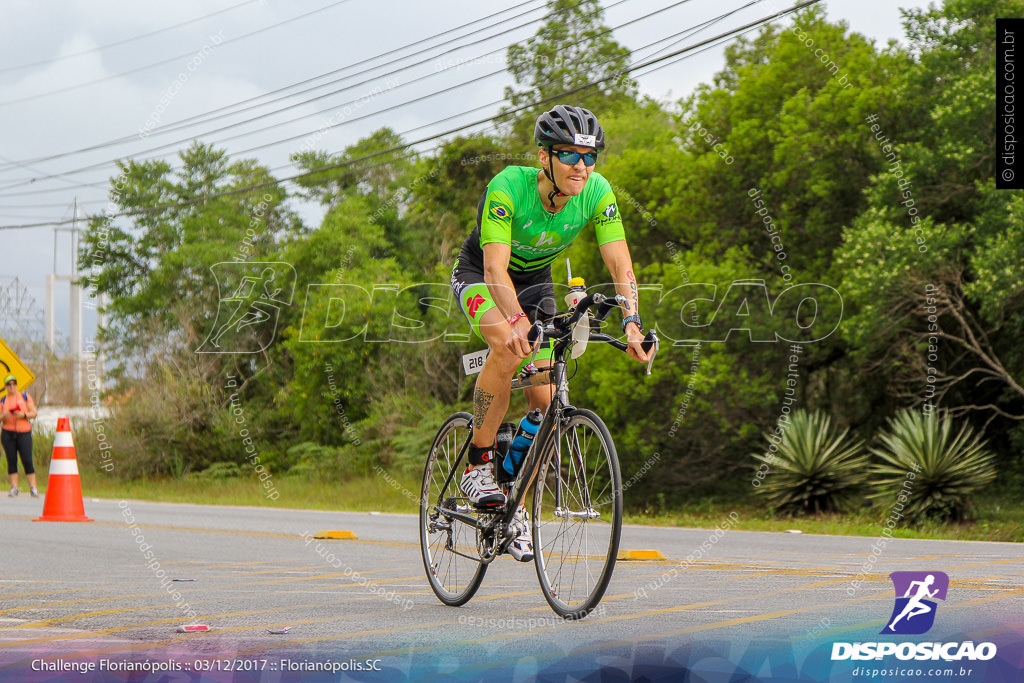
(572, 466)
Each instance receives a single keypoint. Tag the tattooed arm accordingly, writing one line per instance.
(620, 265)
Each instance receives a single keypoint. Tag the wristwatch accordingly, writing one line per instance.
(633, 319)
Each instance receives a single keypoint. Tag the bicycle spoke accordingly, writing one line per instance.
(448, 545)
(577, 529)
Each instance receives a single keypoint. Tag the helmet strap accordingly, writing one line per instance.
(550, 173)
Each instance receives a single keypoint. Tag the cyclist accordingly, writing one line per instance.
(502, 277)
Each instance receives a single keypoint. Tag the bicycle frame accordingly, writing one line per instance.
(555, 375)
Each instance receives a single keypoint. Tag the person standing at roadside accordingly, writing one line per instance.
(18, 409)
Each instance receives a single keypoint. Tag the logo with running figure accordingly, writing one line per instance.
(251, 298)
(914, 612)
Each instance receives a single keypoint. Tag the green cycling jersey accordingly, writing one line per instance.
(513, 213)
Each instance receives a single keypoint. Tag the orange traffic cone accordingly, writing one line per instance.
(64, 487)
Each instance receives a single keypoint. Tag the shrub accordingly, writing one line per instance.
(817, 468)
(314, 460)
(947, 470)
(218, 471)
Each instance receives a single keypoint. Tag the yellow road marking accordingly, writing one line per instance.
(334, 576)
(981, 601)
(249, 564)
(985, 564)
(183, 591)
(638, 615)
(49, 592)
(233, 532)
(603, 620)
(83, 615)
(150, 645)
(336, 535)
(130, 627)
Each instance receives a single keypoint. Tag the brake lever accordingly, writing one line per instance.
(651, 340)
(535, 333)
(535, 337)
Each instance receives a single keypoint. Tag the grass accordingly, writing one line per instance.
(1000, 514)
(369, 493)
(998, 520)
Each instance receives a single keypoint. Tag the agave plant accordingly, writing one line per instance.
(816, 468)
(946, 470)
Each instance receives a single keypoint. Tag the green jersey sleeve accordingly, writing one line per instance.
(496, 221)
(606, 218)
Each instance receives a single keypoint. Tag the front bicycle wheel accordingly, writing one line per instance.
(449, 546)
(577, 514)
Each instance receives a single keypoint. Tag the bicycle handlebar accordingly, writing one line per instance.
(650, 341)
(605, 307)
(562, 329)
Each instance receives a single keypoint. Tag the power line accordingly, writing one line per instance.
(506, 114)
(29, 98)
(57, 205)
(435, 93)
(179, 142)
(702, 26)
(371, 114)
(205, 116)
(47, 62)
(429, 125)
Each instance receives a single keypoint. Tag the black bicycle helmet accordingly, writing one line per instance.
(566, 125)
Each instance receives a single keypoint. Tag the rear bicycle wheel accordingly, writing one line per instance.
(577, 514)
(449, 546)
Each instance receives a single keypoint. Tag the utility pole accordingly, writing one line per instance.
(75, 301)
(76, 311)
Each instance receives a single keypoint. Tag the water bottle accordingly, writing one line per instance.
(524, 437)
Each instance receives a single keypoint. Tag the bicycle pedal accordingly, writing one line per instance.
(487, 507)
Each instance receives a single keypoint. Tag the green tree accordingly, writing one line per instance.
(367, 168)
(685, 192)
(572, 49)
(931, 265)
(445, 190)
(154, 265)
(376, 299)
(155, 269)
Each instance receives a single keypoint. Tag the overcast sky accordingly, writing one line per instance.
(78, 74)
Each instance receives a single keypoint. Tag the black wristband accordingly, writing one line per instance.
(633, 319)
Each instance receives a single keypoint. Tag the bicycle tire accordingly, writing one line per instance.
(572, 579)
(453, 578)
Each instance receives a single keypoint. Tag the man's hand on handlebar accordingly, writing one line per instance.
(517, 341)
(634, 337)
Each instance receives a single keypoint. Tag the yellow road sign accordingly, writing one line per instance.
(10, 364)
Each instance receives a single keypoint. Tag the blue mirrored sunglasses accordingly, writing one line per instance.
(573, 158)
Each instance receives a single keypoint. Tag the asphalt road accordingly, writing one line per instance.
(771, 604)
